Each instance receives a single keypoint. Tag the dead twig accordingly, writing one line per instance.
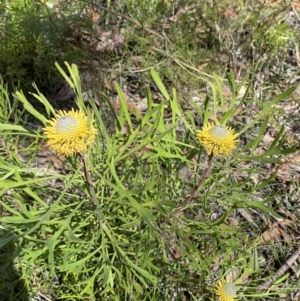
(282, 269)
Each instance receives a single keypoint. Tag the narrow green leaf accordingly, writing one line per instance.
(66, 77)
(160, 84)
(43, 100)
(123, 108)
(206, 112)
(221, 219)
(260, 134)
(259, 205)
(215, 100)
(12, 127)
(282, 279)
(30, 108)
(267, 108)
(220, 92)
(255, 260)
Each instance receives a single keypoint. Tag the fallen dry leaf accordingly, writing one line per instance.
(289, 170)
(277, 231)
(45, 155)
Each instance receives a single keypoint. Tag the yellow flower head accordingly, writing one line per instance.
(217, 139)
(226, 291)
(70, 133)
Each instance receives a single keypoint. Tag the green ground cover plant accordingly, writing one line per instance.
(121, 222)
(33, 38)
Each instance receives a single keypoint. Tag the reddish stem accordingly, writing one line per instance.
(201, 181)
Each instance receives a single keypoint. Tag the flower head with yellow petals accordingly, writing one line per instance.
(225, 290)
(70, 133)
(217, 139)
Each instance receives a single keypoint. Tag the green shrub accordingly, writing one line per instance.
(34, 37)
(119, 223)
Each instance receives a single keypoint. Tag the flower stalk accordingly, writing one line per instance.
(218, 140)
(69, 134)
(201, 181)
(90, 186)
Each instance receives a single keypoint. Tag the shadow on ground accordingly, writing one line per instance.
(12, 287)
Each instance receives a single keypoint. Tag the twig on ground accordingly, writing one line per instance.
(43, 296)
(282, 269)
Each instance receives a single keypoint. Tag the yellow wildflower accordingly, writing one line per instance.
(225, 290)
(217, 139)
(70, 132)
